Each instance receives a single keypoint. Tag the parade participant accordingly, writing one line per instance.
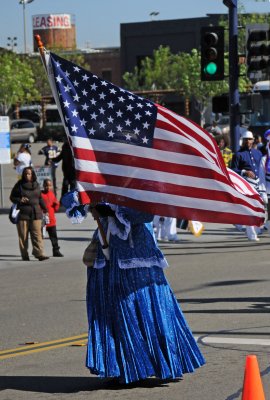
(52, 205)
(26, 193)
(22, 159)
(246, 162)
(265, 177)
(136, 328)
(50, 151)
(222, 142)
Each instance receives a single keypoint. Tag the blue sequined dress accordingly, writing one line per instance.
(136, 328)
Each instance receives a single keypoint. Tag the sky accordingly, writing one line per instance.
(98, 21)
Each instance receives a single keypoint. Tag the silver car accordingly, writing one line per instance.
(22, 130)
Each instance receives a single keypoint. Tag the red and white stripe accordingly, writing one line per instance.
(183, 175)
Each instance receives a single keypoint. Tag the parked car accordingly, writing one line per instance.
(22, 130)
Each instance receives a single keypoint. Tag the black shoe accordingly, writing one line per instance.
(43, 258)
(26, 258)
(57, 253)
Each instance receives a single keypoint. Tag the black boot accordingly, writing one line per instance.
(56, 253)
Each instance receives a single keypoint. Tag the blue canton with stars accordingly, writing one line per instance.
(97, 109)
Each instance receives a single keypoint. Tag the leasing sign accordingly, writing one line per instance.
(51, 21)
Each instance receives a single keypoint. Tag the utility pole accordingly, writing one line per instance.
(233, 74)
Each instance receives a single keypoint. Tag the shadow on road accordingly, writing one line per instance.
(60, 384)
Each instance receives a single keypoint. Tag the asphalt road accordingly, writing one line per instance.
(220, 279)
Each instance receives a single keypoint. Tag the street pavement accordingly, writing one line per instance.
(220, 279)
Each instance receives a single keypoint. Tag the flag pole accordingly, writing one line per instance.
(105, 244)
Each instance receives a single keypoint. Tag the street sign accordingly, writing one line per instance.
(4, 141)
(43, 173)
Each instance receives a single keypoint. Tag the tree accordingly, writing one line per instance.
(16, 81)
(180, 72)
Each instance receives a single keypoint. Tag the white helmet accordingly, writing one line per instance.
(247, 135)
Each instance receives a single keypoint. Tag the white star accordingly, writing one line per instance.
(122, 90)
(74, 113)
(102, 125)
(146, 125)
(67, 119)
(76, 69)
(83, 122)
(85, 77)
(93, 116)
(84, 92)
(91, 131)
(148, 112)
(102, 96)
(130, 107)
(128, 122)
(94, 86)
(138, 116)
(101, 110)
(110, 119)
(111, 133)
(85, 106)
(113, 91)
(93, 101)
(75, 83)
(145, 140)
(128, 137)
(58, 64)
(119, 128)
(149, 105)
(136, 131)
(104, 83)
(131, 97)
(58, 78)
(139, 105)
(67, 74)
(74, 128)
(119, 113)
(67, 88)
(121, 99)
(110, 104)
(66, 104)
(76, 97)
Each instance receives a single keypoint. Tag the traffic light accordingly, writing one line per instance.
(212, 53)
(257, 50)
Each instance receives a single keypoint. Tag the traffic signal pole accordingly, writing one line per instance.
(233, 74)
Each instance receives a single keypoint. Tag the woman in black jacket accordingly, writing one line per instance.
(27, 195)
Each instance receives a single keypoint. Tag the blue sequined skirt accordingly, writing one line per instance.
(136, 328)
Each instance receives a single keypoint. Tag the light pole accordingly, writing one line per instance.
(233, 74)
(23, 2)
(12, 42)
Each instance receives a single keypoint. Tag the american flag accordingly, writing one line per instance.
(133, 152)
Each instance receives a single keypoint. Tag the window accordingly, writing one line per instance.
(25, 124)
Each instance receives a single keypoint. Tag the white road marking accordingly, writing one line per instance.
(237, 341)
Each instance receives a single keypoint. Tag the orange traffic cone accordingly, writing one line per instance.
(252, 387)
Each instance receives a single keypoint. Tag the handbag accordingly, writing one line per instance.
(90, 253)
(14, 213)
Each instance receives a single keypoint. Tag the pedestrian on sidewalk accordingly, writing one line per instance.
(136, 327)
(26, 194)
(22, 159)
(52, 205)
(68, 168)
